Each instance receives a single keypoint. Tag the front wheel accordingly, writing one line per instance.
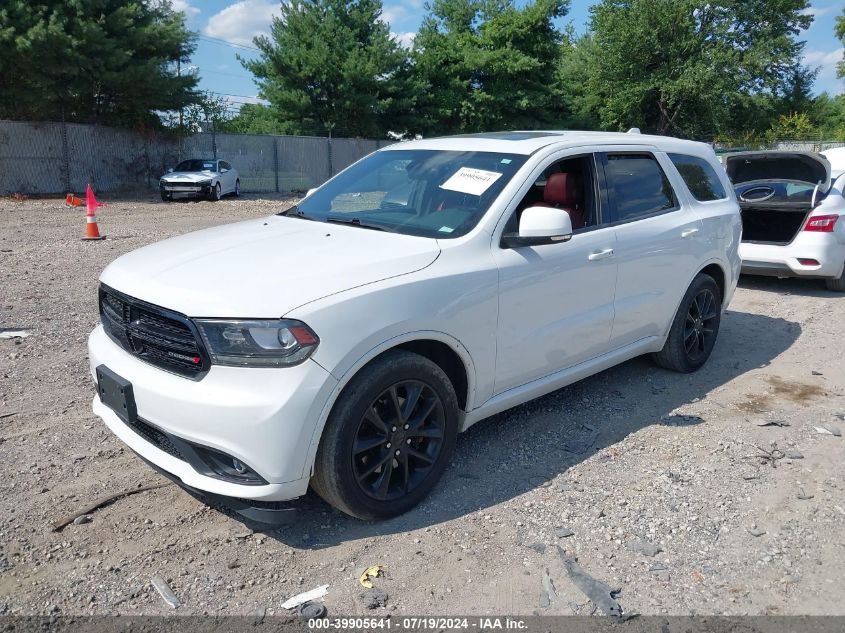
(216, 192)
(837, 284)
(388, 438)
(694, 328)
(165, 197)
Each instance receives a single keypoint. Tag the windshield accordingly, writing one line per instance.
(195, 165)
(428, 193)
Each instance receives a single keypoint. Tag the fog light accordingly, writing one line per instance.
(239, 468)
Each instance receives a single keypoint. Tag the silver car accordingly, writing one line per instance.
(200, 178)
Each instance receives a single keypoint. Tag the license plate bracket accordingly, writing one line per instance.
(116, 393)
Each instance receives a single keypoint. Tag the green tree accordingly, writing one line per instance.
(692, 68)
(331, 66)
(828, 116)
(254, 118)
(486, 64)
(99, 61)
(793, 126)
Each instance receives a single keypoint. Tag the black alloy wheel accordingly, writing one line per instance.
(399, 439)
(699, 330)
(388, 438)
(695, 327)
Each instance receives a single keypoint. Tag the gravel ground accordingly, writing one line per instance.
(661, 479)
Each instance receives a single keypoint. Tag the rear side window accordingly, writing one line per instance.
(700, 177)
(637, 186)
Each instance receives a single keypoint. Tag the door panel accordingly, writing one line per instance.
(555, 305)
(656, 262)
(658, 244)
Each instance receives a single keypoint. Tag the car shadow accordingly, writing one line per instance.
(526, 447)
(789, 286)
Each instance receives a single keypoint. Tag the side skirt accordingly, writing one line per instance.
(540, 387)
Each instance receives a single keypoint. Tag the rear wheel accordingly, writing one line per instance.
(237, 187)
(694, 328)
(838, 284)
(388, 439)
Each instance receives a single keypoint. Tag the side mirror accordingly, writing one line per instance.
(310, 191)
(170, 170)
(538, 226)
(223, 170)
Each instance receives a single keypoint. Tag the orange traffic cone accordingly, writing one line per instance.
(73, 201)
(92, 231)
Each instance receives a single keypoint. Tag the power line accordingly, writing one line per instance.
(216, 40)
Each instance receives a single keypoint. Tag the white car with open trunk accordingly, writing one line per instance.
(791, 205)
(344, 342)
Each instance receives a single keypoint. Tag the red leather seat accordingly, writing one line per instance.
(563, 191)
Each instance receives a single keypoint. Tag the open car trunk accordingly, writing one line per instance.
(772, 224)
(777, 191)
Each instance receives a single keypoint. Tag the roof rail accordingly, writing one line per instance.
(634, 130)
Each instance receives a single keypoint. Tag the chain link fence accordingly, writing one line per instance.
(802, 145)
(56, 158)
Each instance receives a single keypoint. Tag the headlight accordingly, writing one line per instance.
(204, 183)
(257, 343)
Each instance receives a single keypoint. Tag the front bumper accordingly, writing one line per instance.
(783, 260)
(264, 417)
(183, 191)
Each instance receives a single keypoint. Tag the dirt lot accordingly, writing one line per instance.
(661, 478)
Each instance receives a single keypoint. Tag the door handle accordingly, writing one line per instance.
(603, 254)
(688, 232)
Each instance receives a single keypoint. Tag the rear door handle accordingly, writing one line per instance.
(688, 232)
(603, 254)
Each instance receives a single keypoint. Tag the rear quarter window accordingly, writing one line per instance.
(700, 177)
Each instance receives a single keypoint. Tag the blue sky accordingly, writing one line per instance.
(226, 29)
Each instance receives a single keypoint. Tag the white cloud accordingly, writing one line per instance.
(825, 60)
(393, 14)
(405, 40)
(817, 12)
(240, 22)
(183, 6)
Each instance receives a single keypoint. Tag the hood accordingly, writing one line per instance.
(264, 268)
(193, 176)
(792, 166)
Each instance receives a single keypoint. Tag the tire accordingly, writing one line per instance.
(165, 197)
(693, 334)
(237, 191)
(363, 419)
(837, 284)
(216, 193)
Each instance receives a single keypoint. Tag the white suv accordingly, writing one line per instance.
(345, 342)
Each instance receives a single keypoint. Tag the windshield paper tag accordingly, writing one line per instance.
(471, 181)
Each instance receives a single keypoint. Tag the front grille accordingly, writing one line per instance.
(155, 335)
(183, 185)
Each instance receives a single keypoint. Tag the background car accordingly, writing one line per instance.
(791, 207)
(200, 178)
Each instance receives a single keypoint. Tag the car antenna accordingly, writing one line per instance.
(634, 130)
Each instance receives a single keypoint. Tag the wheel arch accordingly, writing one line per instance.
(717, 272)
(716, 269)
(442, 349)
